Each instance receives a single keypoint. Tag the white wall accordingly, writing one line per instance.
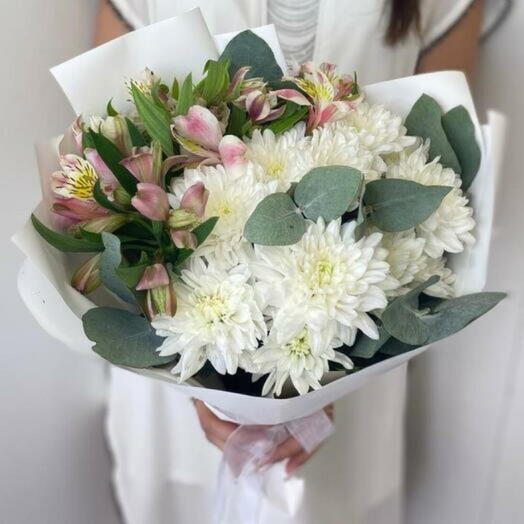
(54, 466)
(465, 446)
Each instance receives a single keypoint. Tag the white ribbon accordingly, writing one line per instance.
(242, 483)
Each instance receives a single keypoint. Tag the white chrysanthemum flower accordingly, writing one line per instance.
(406, 259)
(327, 280)
(303, 358)
(217, 319)
(335, 144)
(378, 129)
(232, 199)
(449, 227)
(277, 156)
(445, 287)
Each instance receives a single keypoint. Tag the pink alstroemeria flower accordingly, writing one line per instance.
(78, 210)
(195, 199)
(182, 238)
(200, 135)
(143, 166)
(151, 201)
(108, 181)
(115, 129)
(331, 95)
(153, 276)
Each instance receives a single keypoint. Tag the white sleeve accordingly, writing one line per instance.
(438, 17)
(134, 13)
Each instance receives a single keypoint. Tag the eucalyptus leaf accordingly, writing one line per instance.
(402, 318)
(248, 49)
(398, 204)
(156, 119)
(109, 261)
(276, 221)
(327, 192)
(65, 243)
(394, 347)
(123, 338)
(112, 157)
(425, 120)
(452, 315)
(460, 131)
(366, 347)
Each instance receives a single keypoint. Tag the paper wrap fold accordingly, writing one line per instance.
(92, 78)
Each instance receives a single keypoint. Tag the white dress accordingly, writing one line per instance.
(164, 468)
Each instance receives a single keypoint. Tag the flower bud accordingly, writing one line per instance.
(87, 277)
(184, 239)
(115, 129)
(151, 201)
(122, 197)
(154, 276)
(108, 223)
(161, 301)
(181, 218)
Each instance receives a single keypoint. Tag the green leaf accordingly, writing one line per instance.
(156, 119)
(102, 199)
(402, 317)
(183, 254)
(111, 111)
(131, 275)
(65, 243)
(292, 114)
(237, 120)
(137, 139)
(185, 99)
(276, 221)
(123, 338)
(425, 120)
(460, 131)
(327, 192)
(452, 315)
(175, 88)
(203, 230)
(87, 141)
(248, 49)
(394, 347)
(109, 261)
(112, 156)
(397, 204)
(216, 81)
(365, 347)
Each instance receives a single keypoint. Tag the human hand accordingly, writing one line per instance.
(217, 431)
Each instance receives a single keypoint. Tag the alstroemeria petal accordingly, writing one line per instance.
(195, 199)
(201, 126)
(257, 105)
(183, 239)
(106, 175)
(273, 114)
(152, 277)
(293, 96)
(151, 201)
(87, 277)
(232, 153)
(140, 164)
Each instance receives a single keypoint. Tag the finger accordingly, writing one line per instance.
(288, 448)
(296, 461)
(216, 429)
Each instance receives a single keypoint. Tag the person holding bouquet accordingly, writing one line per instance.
(164, 468)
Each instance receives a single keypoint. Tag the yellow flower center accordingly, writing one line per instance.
(321, 273)
(275, 168)
(299, 346)
(212, 308)
(224, 208)
(80, 180)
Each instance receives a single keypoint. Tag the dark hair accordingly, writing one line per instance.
(404, 15)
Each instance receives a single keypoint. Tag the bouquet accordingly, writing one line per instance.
(264, 240)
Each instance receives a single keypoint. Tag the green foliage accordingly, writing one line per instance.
(111, 111)
(425, 120)
(248, 49)
(293, 114)
(66, 243)
(276, 221)
(102, 199)
(112, 156)
(123, 338)
(214, 85)
(137, 139)
(130, 275)
(365, 347)
(156, 119)
(185, 98)
(327, 192)
(460, 131)
(398, 205)
(109, 261)
(203, 230)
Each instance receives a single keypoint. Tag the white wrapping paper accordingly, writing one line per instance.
(44, 284)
